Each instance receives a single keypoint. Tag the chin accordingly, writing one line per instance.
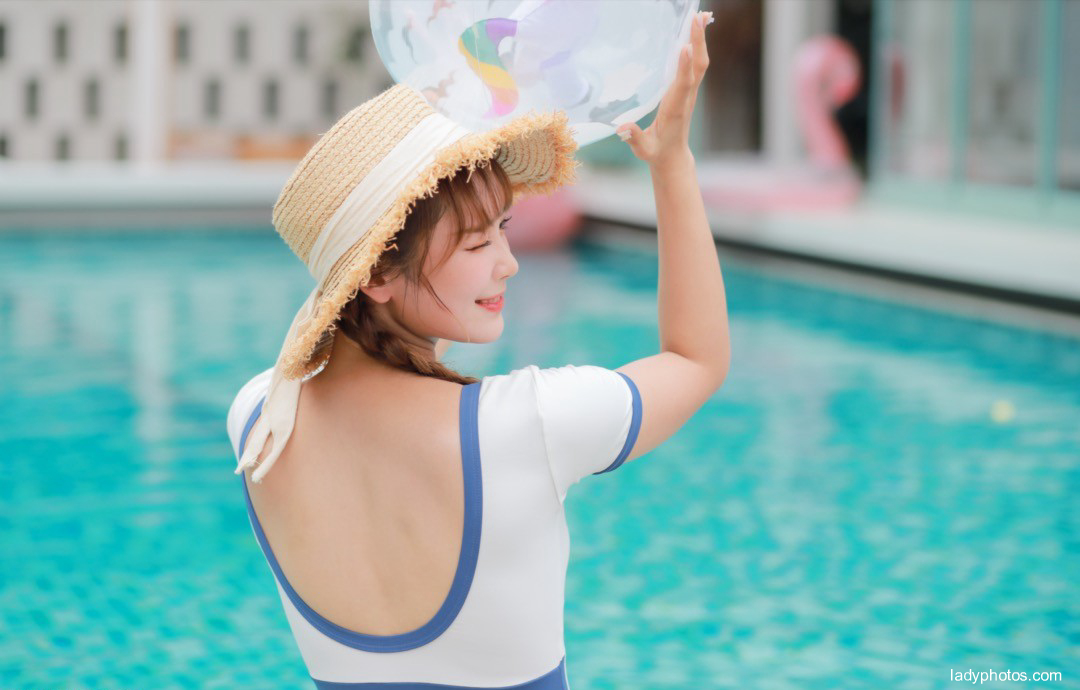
(490, 336)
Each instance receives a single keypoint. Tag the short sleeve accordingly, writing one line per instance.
(590, 418)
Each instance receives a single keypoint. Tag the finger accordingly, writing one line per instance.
(700, 48)
(687, 80)
(628, 131)
(677, 82)
(633, 135)
(684, 75)
(674, 104)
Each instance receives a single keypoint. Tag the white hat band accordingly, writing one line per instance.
(375, 193)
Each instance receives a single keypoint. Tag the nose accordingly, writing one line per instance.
(508, 265)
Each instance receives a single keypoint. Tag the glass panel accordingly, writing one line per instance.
(918, 60)
(242, 44)
(1069, 114)
(120, 43)
(1005, 92)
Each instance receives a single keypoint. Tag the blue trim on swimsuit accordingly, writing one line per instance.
(470, 547)
(552, 680)
(250, 423)
(635, 426)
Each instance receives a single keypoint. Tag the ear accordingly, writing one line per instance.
(378, 290)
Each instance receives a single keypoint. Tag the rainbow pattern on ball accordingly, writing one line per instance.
(479, 44)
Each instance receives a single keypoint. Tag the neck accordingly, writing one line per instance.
(348, 357)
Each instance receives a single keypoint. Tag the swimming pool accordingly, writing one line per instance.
(879, 493)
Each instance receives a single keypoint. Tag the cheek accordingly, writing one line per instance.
(462, 276)
(445, 286)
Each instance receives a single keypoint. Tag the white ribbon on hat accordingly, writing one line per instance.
(366, 203)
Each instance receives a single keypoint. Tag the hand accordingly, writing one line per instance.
(668, 136)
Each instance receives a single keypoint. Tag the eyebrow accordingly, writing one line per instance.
(505, 208)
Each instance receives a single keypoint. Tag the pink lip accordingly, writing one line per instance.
(495, 306)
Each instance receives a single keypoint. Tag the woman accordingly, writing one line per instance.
(414, 520)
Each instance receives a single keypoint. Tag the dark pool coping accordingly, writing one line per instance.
(856, 279)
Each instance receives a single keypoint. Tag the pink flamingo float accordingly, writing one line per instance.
(826, 77)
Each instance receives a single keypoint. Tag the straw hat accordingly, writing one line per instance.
(348, 198)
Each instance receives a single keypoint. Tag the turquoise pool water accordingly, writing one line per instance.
(879, 494)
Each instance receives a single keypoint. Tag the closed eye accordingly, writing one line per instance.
(502, 226)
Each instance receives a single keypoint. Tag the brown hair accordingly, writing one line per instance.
(459, 194)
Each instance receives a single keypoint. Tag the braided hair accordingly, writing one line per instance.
(459, 194)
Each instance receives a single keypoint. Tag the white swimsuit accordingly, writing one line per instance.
(526, 438)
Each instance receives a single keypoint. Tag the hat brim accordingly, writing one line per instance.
(536, 151)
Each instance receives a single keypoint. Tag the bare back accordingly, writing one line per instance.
(365, 507)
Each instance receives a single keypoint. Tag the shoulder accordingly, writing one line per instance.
(551, 384)
(587, 416)
(565, 373)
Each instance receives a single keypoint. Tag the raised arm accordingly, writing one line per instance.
(694, 340)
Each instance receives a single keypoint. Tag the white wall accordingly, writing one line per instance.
(150, 99)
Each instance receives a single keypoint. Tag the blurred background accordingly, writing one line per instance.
(884, 491)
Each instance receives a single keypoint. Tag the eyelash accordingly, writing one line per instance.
(502, 226)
